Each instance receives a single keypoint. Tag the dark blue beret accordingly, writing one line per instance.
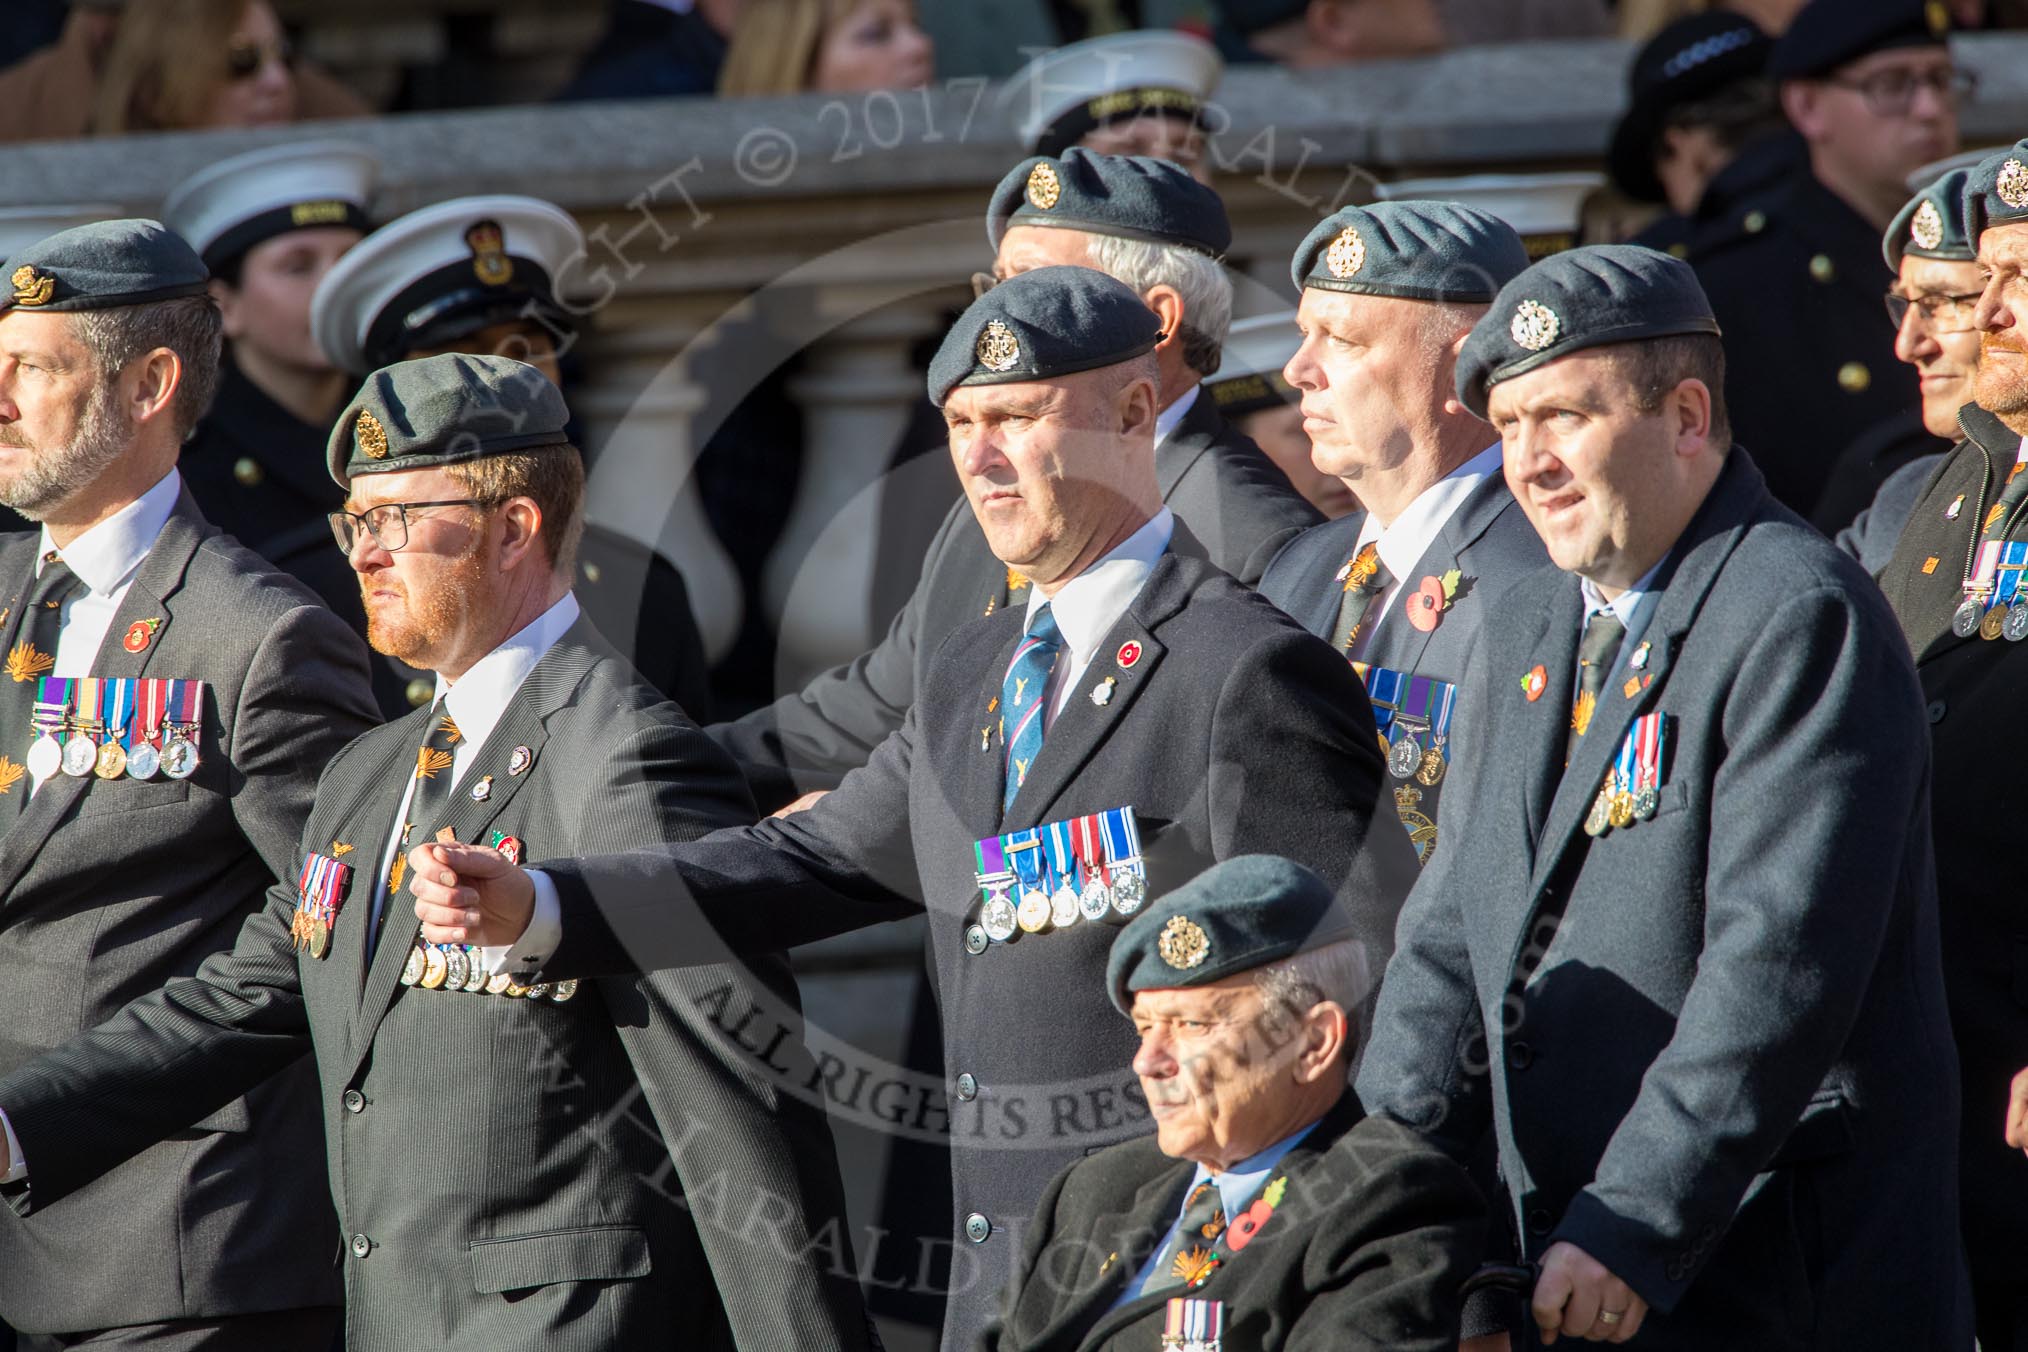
(1131, 196)
(1417, 250)
(1690, 59)
(1996, 191)
(1828, 34)
(1239, 914)
(1583, 298)
(444, 410)
(1932, 225)
(106, 264)
(1041, 324)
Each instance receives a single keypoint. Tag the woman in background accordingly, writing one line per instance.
(826, 46)
(181, 65)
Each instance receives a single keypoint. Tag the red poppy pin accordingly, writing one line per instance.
(1433, 596)
(1129, 653)
(1248, 1223)
(140, 634)
(1535, 682)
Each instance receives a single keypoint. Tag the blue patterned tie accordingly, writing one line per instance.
(1024, 693)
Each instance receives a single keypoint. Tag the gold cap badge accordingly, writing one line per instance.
(1045, 189)
(1938, 16)
(32, 288)
(490, 263)
(1183, 944)
(1927, 227)
(1535, 325)
(2012, 184)
(371, 436)
(1346, 255)
(998, 348)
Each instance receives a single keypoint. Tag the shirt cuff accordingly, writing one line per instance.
(537, 942)
(17, 1167)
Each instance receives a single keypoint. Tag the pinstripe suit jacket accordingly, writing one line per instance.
(108, 888)
(1231, 732)
(497, 1185)
(1713, 1044)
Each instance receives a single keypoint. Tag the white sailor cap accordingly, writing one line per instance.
(226, 209)
(441, 273)
(1249, 376)
(1544, 209)
(23, 226)
(1064, 93)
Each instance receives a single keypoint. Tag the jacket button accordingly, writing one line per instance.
(1823, 269)
(968, 1088)
(1936, 711)
(420, 692)
(1520, 1055)
(248, 471)
(975, 940)
(360, 1245)
(354, 1101)
(1540, 1222)
(1854, 378)
(977, 1228)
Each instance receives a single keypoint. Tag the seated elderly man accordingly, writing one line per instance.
(1268, 1211)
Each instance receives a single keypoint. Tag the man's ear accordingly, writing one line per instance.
(1326, 1036)
(1167, 303)
(1690, 403)
(149, 384)
(1137, 407)
(521, 527)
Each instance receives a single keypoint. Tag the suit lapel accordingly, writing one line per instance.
(1155, 1207)
(366, 818)
(523, 724)
(979, 751)
(159, 578)
(2000, 446)
(1127, 658)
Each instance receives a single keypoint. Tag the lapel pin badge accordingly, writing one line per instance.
(1640, 657)
(482, 790)
(1129, 653)
(520, 760)
(1957, 505)
(1535, 682)
(140, 634)
(1102, 693)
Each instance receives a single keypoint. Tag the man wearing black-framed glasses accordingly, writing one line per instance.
(1794, 273)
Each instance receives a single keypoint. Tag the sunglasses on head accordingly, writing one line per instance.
(245, 59)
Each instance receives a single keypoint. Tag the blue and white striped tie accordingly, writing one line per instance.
(1023, 694)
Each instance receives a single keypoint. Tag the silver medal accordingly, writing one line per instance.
(1645, 803)
(80, 755)
(475, 979)
(458, 968)
(1096, 900)
(563, 991)
(998, 920)
(45, 758)
(2015, 627)
(1130, 889)
(179, 759)
(412, 971)
(1406, 756)
(143, 761)
(1064, 906)
(1965, 619)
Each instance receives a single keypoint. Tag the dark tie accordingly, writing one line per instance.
(1184, 1257)
(429, 804)
(2001, 513)
(33, 656)
(1595, 653)
(1024, 697)
(1366, 581)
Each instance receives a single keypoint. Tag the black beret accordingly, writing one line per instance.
(1932, 225)
(1041, 324)
(1133, 197)
(1247, 17)
(1239, 914)
(103, 265)
(444, 410)
(1996, 191)
(1828, 34)
(1589, 297)
(1691, 59)
(1417, 250)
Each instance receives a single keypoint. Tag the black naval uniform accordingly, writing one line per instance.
(1795, 278)
(1758, 168)
(1973, 687)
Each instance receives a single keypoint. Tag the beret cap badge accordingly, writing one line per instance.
(1927, 227)
(2012, 184)
(1183, 944)
(998, 349)
(1346, 255)
(1045, 189)
(1535, 325)
(371, 435)
(32, 288)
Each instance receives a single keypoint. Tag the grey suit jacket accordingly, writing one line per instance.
(1719, 1057)
(1238, 507)
(1232, 733)
(1487, 539)
(109, 888)
(496, 1184)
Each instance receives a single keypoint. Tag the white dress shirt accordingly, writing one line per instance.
(1090, 604)
(476, 703)
(105, 559)
(1403, 543)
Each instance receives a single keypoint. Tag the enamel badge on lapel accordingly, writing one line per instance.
(1129, 653)
(520, 760)
(508, 846)
(482, 790)
(339, 849)
(1102, 693)
(1428, 602)
(1640, 658)
(1535, 682)
(140, 634)
(1957, 505)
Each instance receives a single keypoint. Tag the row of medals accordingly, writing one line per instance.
(83, 755)
(434, 967)
(1990, 622)
(1039, 910)
(1408, 758)
(1617, 807)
